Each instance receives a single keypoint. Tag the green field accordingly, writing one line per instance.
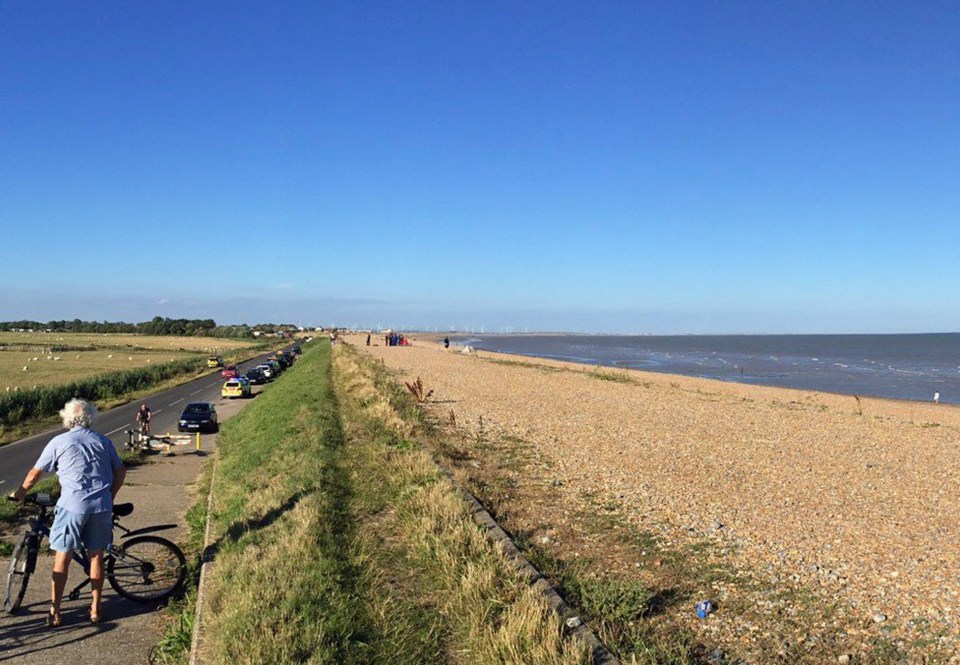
(52, 358)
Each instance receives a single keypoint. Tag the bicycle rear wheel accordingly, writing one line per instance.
(147, 569)
(18, 577)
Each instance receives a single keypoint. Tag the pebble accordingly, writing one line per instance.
(573, 622)
(717, 656)
(879, 617)
(844, 658)
(609, 439)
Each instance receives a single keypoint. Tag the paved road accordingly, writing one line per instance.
(18, 457)
(161, 492)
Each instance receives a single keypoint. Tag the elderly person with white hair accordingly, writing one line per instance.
(90, 474)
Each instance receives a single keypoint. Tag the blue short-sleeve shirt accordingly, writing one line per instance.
(84, 461)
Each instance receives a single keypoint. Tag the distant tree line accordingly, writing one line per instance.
(157, 326)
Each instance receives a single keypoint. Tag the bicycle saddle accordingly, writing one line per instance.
(122, 509)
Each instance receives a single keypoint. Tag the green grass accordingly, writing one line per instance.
(550, 369)
(338, 540)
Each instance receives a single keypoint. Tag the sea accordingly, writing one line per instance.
(908, 366)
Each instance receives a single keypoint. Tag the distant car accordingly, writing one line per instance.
(297, 350)
(277, 367)
(198, 417)
(230, 372)
(238, 387)
(267, 371)
(256, 376)
(282, 358)
(215, 361)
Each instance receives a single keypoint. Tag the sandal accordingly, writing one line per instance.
(53, 619)
(95, 618)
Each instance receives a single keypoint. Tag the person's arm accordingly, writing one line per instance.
(119, 475)
(32, 477)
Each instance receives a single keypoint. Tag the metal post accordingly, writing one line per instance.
(198, 440)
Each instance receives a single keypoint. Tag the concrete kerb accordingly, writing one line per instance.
(576, 627)
(205, 563)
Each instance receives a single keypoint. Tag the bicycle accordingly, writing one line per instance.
(144, 569)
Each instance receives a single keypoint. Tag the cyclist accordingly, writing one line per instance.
(143, 417)
(90, 473)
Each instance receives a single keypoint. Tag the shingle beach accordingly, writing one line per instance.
(856, 500)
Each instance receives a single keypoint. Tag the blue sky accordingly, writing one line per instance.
(616, 166)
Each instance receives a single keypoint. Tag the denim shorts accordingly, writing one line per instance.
(70, 531)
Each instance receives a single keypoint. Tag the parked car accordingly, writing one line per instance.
(267, 371)
(256, 376)
(238, 387)
(215, 361)
(230, 372)
(198, 417)
(277, 367)
(297, 350)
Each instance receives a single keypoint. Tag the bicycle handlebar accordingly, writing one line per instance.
(37, 498)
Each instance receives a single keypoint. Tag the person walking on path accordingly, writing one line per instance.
(446, 342)
(90, 473)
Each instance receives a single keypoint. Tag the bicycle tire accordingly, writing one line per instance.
(18, 577)
(147, 569)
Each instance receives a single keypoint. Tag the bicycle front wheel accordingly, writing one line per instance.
(18, 577)
(147, 569)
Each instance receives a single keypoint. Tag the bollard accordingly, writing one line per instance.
(198, 440)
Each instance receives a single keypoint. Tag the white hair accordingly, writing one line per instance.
(78, 413)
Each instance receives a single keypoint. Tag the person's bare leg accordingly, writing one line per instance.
(61, 566)
(96, 584)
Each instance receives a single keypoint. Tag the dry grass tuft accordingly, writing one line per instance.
(416, 389)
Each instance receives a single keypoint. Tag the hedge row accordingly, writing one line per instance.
(43, 401)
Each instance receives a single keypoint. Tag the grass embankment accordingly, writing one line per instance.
(338, 540)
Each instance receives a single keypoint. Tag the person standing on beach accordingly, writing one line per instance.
(446, 342)
(90, 473)
(368, 339)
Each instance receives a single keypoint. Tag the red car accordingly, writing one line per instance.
(230, 372)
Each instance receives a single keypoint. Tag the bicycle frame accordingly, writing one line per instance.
(40, 530)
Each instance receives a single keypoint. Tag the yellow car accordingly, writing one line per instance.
(215, 361)
(236, 388)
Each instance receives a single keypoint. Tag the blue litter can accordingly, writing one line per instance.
(704, 608)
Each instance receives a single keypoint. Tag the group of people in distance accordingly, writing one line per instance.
(395, 339)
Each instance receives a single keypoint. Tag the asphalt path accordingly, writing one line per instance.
(17, 458)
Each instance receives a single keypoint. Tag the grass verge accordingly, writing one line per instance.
(338, 540)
